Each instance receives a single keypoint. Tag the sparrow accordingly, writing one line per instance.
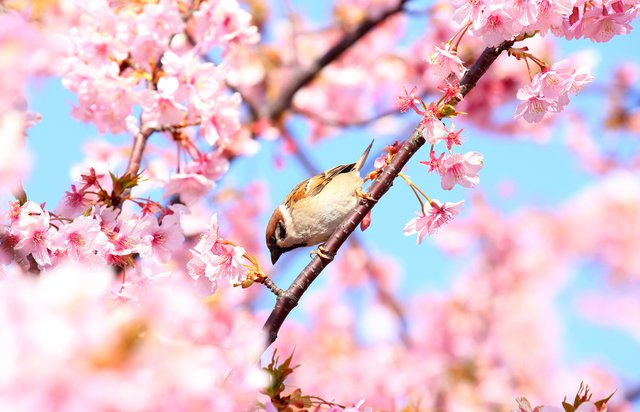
(315, 208)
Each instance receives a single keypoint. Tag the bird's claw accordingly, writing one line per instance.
(323, 253)
(364, 195)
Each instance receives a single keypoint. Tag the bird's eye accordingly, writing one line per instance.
(272, 240)
(281, 232)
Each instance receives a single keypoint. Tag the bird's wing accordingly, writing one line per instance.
(314, 185)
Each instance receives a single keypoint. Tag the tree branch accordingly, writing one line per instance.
(304, 77)
(384, 295)
(290, 298)
(139, 143)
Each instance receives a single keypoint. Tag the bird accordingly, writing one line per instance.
(315, 208)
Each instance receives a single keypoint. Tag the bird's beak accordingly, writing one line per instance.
(275, 254)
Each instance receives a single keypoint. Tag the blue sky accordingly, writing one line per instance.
(56, 143)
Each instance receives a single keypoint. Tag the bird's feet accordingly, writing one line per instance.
(323, 253)
(361, 194)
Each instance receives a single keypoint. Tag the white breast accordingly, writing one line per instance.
(317, 217)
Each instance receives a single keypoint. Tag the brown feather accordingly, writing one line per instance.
(314, 185)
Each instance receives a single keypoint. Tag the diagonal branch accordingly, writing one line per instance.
(385, 296)
(290, 298)
(304, 77)
(139, 143)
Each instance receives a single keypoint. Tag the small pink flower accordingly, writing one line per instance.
(73, 203)
(580, 78)
(435, 216)
(214, 259)
(159, 108)
(409, 101)
(166, 238)
(600, 26)
(534, 105)
(91, 178)
(78, 238)
(220, 121)
(469, 11)
(551, 13)
(556, 80)
(434, 163)
(446, 63)
(462, 170)
(34, 231)
(453, 138)
(432, 127)
(525, 11)
(451, 91)
(190, 186)
(496, 25)
(131, 237)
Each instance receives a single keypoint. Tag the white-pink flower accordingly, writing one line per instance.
(214, 259)
(34, 231)
(601, 27)
(496, 25)
(525, 12)
(535, 104)
(461, 169)
(131, 237)
(434, 216)
(160, 108)
(445, 63)
(190, 186)
(468, 11)
(433, 129)
(78, 239)
(166, 238)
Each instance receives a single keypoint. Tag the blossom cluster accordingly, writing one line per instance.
(497, 21)
(96, 237)
(69, 344)
(127, 56)
(214, 259)
(549, 90)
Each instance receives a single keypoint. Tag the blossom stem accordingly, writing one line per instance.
(460, 35)
(271, 286)
(414, 188)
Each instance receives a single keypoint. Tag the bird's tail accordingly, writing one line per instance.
(363, 158)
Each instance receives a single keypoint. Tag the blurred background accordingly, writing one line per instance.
(532, 177)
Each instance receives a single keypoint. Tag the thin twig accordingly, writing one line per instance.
(275, 110)
(317, 117)
(272, 286)
(290, 298)
(139, 144)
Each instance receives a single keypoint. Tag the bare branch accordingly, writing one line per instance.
(317, 117)
(139, 143)
(290, 298)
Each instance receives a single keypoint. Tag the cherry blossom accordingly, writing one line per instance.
(409, 101)
(34, 232)
(445, 63)
(79, 239)
(434, 163)
(461, 169)
(548, 91)
(214, 259)
(432, 127)
(435, 216)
